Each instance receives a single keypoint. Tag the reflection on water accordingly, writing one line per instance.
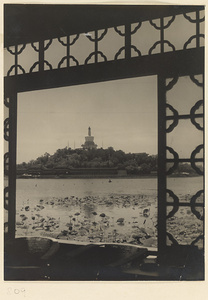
(94, 210)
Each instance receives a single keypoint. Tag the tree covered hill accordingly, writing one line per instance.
(133, 163)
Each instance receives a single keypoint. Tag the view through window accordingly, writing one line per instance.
(87, 162)
(108, 120)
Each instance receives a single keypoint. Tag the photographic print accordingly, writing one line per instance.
(104, 142)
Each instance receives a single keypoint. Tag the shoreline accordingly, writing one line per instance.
(86, 177)
(99, 177)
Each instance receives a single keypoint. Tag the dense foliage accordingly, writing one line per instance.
(133, 163)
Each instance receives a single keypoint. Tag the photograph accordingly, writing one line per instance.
(103, 142)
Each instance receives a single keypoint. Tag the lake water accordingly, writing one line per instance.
(96, 210)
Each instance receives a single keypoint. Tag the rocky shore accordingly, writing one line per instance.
(120, 218)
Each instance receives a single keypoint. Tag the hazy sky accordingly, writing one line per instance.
(121, 113)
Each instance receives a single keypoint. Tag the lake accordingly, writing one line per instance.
(96, 210)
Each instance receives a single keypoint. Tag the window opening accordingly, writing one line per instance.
(89, 184)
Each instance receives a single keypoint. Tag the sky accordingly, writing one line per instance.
(121, 114)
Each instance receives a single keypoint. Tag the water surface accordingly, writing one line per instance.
(96, 210)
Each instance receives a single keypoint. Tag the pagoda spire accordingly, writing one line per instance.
(89, 131)
(89, 141)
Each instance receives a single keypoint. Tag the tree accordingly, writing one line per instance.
(134, 163)
(145, 168)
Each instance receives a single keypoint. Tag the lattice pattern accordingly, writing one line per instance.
(6, 164)
(134, 39)
(187, 211)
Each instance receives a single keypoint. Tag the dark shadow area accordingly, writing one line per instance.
(44, 259)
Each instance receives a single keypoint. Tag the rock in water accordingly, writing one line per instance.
(120, 220)
(146, 212)
(64, 232)
(19, 223)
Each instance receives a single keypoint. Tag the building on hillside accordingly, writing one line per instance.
(89, 141)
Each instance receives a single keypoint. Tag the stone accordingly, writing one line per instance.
(73, 232)
(64, 232)
(120, 220)
(19, 223)
(40, 207)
